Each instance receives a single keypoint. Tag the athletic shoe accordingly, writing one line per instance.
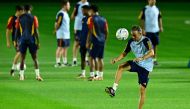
(81, 76)
(21, 77)
(99, 78)
(12, 72)
(66, 65)
(39, 78)
(57, 65)
(91, 78)
(74, 63)
(110, 91)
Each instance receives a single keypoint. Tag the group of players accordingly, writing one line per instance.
(91, 32)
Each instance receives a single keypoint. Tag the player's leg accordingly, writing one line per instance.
(66, 44)
(83, 51)
(23, 48)
(33, 52)
(142, 96)
(22, 60)
(118, 75)
(76, 46)
(155, 44)
(100, 62)
(58, 53)
(15, 62)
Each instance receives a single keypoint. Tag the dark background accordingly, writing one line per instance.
(93, 1)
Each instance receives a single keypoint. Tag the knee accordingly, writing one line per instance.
(142, 90)
(120, 67)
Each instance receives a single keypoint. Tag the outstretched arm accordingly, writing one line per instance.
(120, 57)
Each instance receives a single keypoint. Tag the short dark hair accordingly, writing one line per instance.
(86, 7)
(136, 28)
(19, 8)
(94, 8)
(28, 7)
(64, 2)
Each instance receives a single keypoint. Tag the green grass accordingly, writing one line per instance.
(168, 87)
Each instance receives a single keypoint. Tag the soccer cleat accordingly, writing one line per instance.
(99, 78)
(66, 65)
(12, 72)
(74, 63)
(39, 78)
(57, 65)
(81, 76)
(87, 63)
(21, 77)
(110, 91)
(91, 78)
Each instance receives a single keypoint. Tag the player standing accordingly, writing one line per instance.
(27, 29)
(11, 30)
(78, 16)
(98, 33)
(143, 64)
(151, 23)
(62, 28)
(83, 38)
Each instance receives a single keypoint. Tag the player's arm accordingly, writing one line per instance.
(73, 13)
(17, 25)
(160, 22)
(149, 54)
(106, 30)
(36, 32)
(142, 21)
(123, 54)
(58, 21)
(90, 26)
(8, 31)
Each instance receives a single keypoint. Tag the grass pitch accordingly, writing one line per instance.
(168, 87)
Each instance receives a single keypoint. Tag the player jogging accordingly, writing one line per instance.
(11, 30)
(78, 16)
(62, 28)
(27, 26)
(143, 64)
(151, 23)
(98, 33)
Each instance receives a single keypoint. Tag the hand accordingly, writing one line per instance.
(87, 45)
(113, 61)
(8, 45)
(38, 46)
(138, 59)
(161, 29)
(144, 32)
(54, 32)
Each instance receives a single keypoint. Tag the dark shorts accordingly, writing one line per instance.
(154, 37)
(77, 35)
(63, 43)
(23, 45)
(97, 51)
(142, 73)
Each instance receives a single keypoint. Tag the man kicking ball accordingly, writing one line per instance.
(142, 48)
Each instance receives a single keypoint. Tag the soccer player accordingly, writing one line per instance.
(83, 38)
(11, 30)
(97, 35)
(78, 16)
(27, 29)
(151, 23)
(143, 64)
(62, 28)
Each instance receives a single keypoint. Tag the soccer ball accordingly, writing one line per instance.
(18, 66)
(122, 34)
